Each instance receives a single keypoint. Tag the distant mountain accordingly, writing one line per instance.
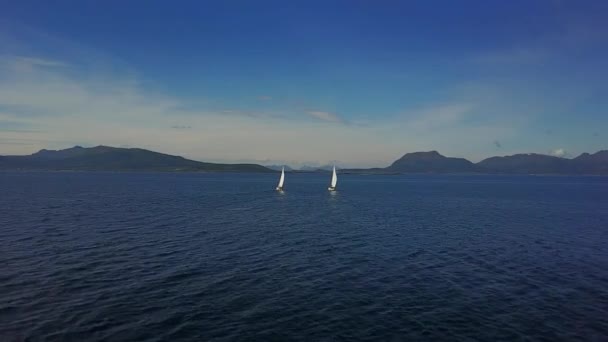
(316, 168)
(105, 158)
(279, 167)
(430, 162)
(596, 163)
(527, 163)
(532, 163)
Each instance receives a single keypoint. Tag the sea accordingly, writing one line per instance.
(87, 256)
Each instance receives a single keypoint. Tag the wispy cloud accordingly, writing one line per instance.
(56, 107)
(325, 116)
(573, 33)
(52, 103)
(250, 113)
(439, 116)
(35, 61)
(457, 128)
(89, 106)
(520, 55)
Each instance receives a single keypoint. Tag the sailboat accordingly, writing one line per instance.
(334, 180)
(281, 180)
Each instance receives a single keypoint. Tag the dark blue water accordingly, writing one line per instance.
(196, 257)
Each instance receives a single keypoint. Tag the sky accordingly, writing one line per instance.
(357, 83)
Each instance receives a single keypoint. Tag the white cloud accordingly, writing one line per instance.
(559, 152)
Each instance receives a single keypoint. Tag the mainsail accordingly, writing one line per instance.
(281, 180)
(334, 180)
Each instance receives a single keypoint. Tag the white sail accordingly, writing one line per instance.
(282, 179)
(334, 179)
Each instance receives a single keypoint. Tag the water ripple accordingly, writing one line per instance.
(167, 257)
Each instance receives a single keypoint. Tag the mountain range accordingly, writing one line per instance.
(105, 158)
(529, 163)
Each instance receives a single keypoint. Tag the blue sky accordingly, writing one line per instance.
(353, 82)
